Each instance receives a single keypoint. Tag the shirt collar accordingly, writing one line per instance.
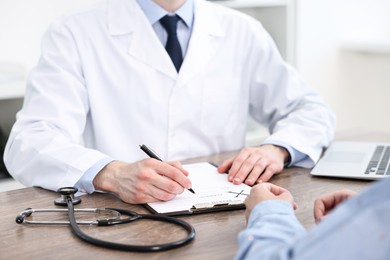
(154, 12)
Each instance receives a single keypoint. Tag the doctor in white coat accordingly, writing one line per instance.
(105, 84)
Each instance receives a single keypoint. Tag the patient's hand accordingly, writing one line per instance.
(326, 203)
(266, 191)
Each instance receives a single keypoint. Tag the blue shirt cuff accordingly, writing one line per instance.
(268, 207)
(85, 184)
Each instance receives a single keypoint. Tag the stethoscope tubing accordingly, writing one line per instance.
(68, 199)
(133, 216)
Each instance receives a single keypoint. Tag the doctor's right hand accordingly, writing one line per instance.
(144, 181)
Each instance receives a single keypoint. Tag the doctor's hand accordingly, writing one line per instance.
(144, 181)
(266, 191)
(326, 203)
(255, 164)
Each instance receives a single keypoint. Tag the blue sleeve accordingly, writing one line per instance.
(85, 183)
(359, 228)
(271, 232)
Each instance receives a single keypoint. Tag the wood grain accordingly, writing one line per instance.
(216, 232)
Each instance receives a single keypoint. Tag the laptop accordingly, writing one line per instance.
(359, 160)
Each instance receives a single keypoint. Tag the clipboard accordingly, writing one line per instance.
(213, 192)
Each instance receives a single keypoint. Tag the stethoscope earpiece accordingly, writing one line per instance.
(67, 192)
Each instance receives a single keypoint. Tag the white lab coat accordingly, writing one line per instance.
(105, 84)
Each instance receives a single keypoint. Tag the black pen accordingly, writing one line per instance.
(151, 154)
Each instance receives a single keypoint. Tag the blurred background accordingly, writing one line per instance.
(340, 47)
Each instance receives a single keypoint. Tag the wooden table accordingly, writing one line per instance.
(216, 236)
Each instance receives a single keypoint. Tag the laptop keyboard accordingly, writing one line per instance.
(379, 163)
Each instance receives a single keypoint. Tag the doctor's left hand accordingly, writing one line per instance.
(255, 164)
(144, 181)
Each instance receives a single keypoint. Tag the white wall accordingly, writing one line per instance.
(22, 24)
(355, 83)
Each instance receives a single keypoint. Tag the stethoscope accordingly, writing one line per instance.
(68, 199)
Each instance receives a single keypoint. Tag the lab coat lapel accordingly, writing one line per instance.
(206, 36)
(126, 17)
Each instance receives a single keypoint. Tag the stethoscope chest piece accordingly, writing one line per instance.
(67, 192)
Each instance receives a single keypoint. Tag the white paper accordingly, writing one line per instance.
(211, 188)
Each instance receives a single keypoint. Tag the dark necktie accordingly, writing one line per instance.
(173, 46)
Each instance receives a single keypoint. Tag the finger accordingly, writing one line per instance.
(248, 208)
(266, 176)
(274, 189)
(225, 166)
(179, 166)
(137, 198)
(251, 169)
(144, 191)
(237, 162)
(154, 195)
(328, 201)
(175, 175)
(257, 194)
(268, 191)
(342, 195)
(166, 195)
(156, 177)
(319, 210)
(323, 205)
(165, 184)
(260, 188)
(270, 171)
(265, 189)
(254, 175)
(241, 167)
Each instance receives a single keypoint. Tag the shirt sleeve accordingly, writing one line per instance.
(272, 229)
(85, 185)
(359, 228)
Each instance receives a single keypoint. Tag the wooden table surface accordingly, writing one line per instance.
(216, 233)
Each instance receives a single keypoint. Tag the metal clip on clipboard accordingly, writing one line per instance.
(218, 206)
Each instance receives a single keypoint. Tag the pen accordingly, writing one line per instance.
(151, 154)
